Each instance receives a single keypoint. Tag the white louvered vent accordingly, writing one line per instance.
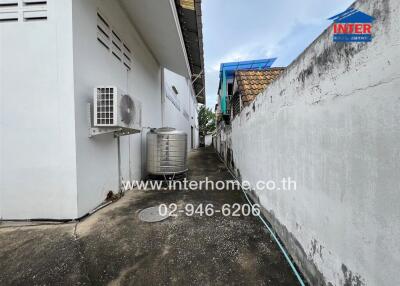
(171, 95)
(34, 10)
(127, 57)
(113, 42)
(8, 3)
(185, 114)
(8, 11)
(29, 10)
(116, 46)
(103, 31)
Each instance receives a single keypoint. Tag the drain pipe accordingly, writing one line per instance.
(281, 247)
(119, 164)
(162, 96)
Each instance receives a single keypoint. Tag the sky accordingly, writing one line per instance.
(237, 30)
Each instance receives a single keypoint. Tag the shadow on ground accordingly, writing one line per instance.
(113, 247)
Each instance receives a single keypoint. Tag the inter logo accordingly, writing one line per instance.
(352, 26)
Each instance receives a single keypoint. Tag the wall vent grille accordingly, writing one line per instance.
(170, 94)
(103, 31)
(185, 114)
(127, 57)
(23, 10)
(110, 39)
(8, 3)
(116, 46)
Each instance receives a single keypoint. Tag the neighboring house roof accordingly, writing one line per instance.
(189, 12)
(227, 73)
(229, 69)
(250, 83)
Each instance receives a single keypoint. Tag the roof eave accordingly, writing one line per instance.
(190, 18)
(162, 37)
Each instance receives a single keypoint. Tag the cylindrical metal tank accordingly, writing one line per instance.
(166, 151)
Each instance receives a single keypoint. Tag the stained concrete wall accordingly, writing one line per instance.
(331, 122)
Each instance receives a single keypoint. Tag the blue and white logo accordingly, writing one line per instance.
(352, 26)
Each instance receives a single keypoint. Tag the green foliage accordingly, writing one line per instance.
(206, 120)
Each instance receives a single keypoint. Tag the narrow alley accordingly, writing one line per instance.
(199, 142)
(113, 246)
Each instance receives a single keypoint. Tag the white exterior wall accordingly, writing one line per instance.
(208, 140)
(184, 102)
(333, 126)
(97, 158)
(49, 167)
(37, 125)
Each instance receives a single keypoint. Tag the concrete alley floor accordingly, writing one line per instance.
(113, 247)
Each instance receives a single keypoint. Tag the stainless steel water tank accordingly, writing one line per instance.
(166, 151)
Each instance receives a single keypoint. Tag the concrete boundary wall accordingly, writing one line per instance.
(331, 123)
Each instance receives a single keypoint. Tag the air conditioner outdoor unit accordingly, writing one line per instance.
(114, 108)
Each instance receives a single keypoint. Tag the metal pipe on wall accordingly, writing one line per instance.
(162, 96)
(119, 163)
